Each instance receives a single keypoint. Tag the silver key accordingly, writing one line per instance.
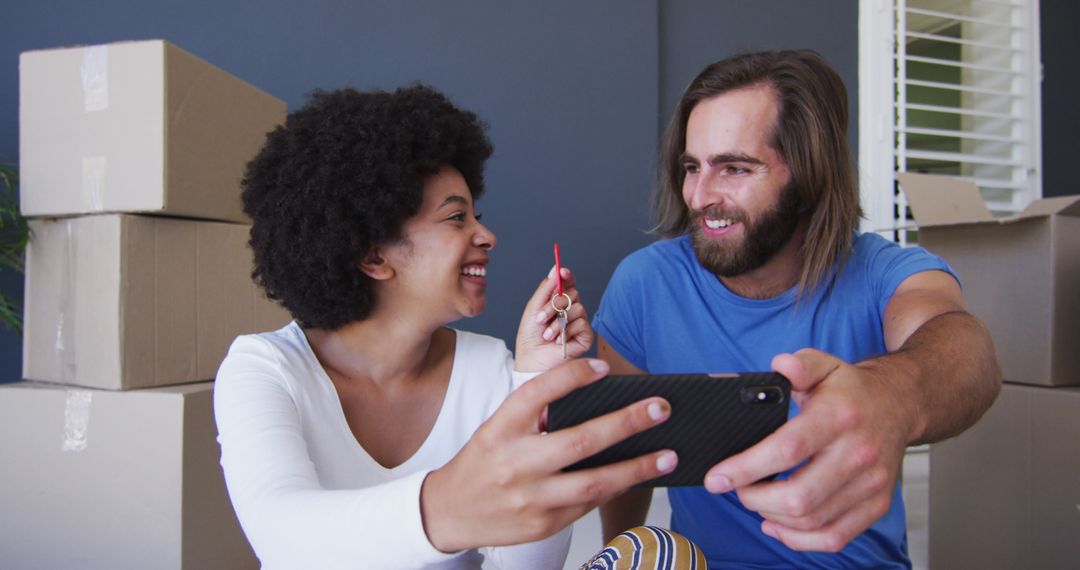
(562, 332)
(562, 318)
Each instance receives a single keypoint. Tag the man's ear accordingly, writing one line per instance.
(375, 266)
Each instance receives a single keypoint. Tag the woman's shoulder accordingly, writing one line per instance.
(478, 345)
(279, 350)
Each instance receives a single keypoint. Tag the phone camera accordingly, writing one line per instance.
(762, 395)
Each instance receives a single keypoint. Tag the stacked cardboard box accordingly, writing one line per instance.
(138, 279)
(1013, 476)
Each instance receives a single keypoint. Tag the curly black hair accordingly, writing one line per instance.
(339, 179)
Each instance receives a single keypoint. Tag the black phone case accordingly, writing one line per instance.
(712, 417)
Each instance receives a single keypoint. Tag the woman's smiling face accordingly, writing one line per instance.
(440, 263)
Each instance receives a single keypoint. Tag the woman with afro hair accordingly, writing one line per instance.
(366, 433)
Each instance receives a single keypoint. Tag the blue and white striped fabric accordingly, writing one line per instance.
(648, 548)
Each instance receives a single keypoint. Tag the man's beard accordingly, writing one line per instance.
(763, 236)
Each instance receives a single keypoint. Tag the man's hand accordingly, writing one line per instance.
(938, 378)
(506, 485)
(851, 434)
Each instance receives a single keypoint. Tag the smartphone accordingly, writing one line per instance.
(713, 416)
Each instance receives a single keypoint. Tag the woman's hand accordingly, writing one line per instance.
(539, 344)
(506, 486)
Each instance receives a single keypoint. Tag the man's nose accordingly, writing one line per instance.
(701, 192)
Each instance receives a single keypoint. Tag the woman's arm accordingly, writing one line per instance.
(504, 487)
(289, 518)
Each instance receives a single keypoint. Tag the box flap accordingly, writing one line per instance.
(1061, 206)
(943, 201)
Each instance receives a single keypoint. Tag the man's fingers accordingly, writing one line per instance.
(806, 368)
(787, 447)
(819, 491)
(833, 537)
(874, 485)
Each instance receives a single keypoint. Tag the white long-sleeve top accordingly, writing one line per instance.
(307, 493)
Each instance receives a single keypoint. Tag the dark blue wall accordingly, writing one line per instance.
(695, 33)
(1060, 93)
(573, 92)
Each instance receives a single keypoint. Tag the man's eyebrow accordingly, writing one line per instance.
(725, 158)
(732, 157)
(454, 199)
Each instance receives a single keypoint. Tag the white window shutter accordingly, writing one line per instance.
(962, 100)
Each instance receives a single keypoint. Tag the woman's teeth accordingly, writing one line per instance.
(475, 271)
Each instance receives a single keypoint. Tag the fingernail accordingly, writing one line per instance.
(769, 530)
(667, 461)
(717, 484)
(540, 317)
(658, 411)
(548, 334)
(599, 365)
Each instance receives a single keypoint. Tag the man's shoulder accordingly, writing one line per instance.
(874, 249)
(659, 254)
(868, 243)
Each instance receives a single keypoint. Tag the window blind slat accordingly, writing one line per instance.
(960, 41)
(959, 134)
(963, 65)
(999, 3)
(960, 18)
(959, 87)
(963, 111)
(994, 183)
(961, 157)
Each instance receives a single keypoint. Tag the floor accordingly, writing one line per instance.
(916, 487)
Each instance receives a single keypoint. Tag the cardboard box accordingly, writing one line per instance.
(94, 479)
(120, 301)
(1020, 274)
(136, 127)
(1006, 493)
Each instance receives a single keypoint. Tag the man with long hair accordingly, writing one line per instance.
(764, 268)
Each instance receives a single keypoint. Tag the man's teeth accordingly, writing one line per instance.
(717, 224)
(475, 271)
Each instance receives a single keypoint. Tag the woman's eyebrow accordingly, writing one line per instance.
(454, 199)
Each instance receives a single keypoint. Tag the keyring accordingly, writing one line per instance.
(569, 302)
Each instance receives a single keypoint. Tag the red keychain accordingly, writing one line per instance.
(561, 311)
(558, 269)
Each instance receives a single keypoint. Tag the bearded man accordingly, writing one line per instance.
(764, 268)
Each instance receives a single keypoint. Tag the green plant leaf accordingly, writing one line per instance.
(14, 235)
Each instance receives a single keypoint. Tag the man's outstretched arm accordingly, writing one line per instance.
(939, 377)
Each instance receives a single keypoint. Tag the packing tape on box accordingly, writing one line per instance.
(93, 183)
(76, 420)
(65, 325)
(95, 78)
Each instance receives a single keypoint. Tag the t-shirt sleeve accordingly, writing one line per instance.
(620, 316)
(290, 520)
(891, 264)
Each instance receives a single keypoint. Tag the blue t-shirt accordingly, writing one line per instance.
(665, 313)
